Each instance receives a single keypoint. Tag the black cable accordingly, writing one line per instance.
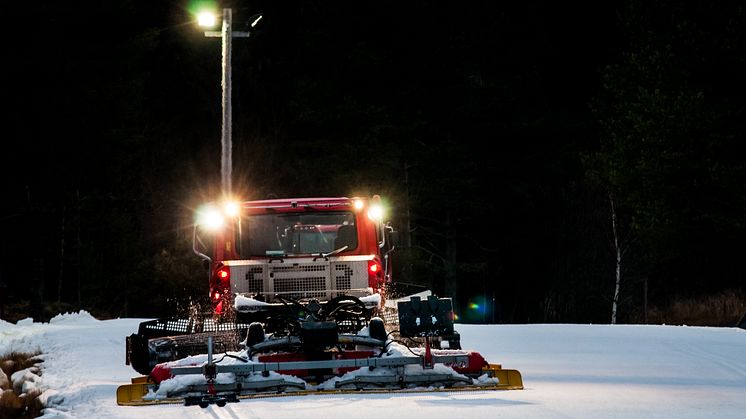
(408, 348)
(285, 300)
(226, 354)
(235, 357)
(387, 341)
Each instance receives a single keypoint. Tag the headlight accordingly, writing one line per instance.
(231, 208)
(375, 212)
(210, 218)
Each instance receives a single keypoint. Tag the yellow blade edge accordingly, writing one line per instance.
(508, 379)
(133, 394)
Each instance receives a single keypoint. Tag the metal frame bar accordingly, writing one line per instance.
(393, 361)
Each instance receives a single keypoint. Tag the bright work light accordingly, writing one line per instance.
(375, 212)
(206, 19)
(231, 208)
(210, 218)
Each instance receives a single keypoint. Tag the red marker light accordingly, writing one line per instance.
(375, 274)
(223, 273)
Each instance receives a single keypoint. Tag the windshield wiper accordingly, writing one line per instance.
(334, 252)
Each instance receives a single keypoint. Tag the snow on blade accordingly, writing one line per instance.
(242, 303)
(178, 384)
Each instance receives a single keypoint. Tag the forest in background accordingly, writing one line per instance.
(525, 150)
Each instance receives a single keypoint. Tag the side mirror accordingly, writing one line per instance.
(394, 238)
(197, 246)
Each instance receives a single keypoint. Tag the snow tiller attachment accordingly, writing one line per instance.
(313, 356)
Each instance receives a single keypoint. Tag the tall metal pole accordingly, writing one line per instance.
(226, 140)
(226, 157)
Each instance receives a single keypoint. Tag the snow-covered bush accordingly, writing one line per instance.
(19, 376)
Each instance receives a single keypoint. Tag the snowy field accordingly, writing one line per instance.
(569, 371)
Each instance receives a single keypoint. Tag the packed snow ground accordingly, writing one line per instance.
(574, 371)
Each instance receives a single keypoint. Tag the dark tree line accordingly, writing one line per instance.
(525, 149)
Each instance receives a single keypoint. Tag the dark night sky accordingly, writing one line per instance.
(77, 70)
(91, 81)
(484, 107)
